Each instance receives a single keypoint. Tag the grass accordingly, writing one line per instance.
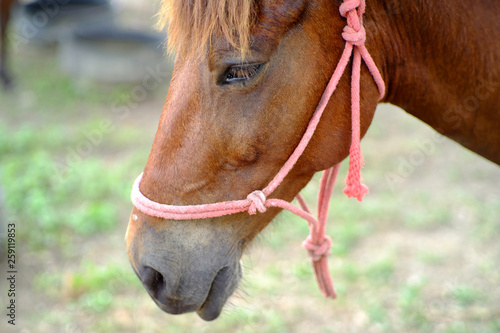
(466, 295)
(420, 256)
(51, 197)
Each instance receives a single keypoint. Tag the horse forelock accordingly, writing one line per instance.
(192, 23)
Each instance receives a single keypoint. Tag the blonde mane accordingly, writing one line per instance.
(192, 23)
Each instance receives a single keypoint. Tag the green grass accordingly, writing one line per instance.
(431, 258)
(54, 198)
(380, 271)
(412, 307)
(89, 290)
(466, 295)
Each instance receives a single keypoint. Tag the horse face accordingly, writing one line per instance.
(227, 127)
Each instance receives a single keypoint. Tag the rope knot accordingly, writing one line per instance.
(257, 201)
(318, 251)
(354, 32)
(355, 37)
(352, 6)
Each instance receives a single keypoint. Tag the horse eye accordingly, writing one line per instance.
(240, 73)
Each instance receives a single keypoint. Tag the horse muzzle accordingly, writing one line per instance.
(207, 298)
(184, 269)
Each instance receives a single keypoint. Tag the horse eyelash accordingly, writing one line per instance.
(241, 72)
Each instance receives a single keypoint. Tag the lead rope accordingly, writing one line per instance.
(317, 243)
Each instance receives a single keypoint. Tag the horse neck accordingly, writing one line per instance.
(441, 60)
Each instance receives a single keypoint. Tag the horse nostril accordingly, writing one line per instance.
(152, 280)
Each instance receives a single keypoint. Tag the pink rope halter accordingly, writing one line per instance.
(317, 243)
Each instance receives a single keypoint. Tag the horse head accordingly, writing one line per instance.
(245, 85)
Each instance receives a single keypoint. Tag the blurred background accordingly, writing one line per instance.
(421, 253)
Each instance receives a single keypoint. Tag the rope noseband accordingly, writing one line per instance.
(317, 243)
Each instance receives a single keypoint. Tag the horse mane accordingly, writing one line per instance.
(192, 23)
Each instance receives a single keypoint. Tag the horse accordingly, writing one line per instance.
(5, 7)
(247, 79)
